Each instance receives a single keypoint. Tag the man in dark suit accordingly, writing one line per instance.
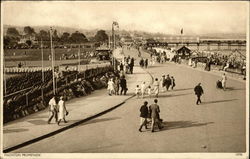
(155, 110)
(167, 82)
(198, 91)
(123, 84)
(143, 115)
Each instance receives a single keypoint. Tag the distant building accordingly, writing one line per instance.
(24, 38)
(127, 40)
(183, 52)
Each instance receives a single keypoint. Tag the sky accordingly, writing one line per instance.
(162, 16)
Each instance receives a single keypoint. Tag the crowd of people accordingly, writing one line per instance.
(166, 83)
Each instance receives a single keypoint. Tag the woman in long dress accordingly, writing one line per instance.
(111, 87)
(223, 81)
(62, 110)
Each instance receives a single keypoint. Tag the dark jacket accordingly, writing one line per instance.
(167, 81)
(123, 83)
(144, 111)
(198, 90)
(154, 110)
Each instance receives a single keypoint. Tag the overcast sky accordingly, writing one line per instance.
(165, 17)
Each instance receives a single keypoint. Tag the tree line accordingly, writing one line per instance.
(13, 37)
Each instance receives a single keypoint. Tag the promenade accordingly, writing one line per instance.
(217, 125)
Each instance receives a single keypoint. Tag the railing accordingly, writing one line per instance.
(61, 68)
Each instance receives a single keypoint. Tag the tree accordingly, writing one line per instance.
(29, 42)
(55, 36)
(78, 37)
(12, 32)
(6, 41)
(44, 35)
(29, 31)
(65, 37)
(101, 36)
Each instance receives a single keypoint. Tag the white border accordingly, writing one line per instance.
(132, 155)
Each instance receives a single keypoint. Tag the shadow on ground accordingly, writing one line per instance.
(183, 89)
(182, 124)
(234, 89)
(99, 120)
(14, 130)
(218, 101)
(172, 95)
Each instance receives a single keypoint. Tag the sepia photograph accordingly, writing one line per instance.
(124, 79)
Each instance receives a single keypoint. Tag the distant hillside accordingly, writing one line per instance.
(92, 32)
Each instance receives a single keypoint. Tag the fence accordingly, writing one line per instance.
(61, 68)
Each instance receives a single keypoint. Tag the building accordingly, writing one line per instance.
(183, 52)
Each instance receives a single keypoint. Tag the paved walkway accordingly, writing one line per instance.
(35, 125)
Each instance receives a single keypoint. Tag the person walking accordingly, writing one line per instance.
(53, 109)
(149, 91)
(154, 110)
(111, 86)
(141, 63)
(143, 89)
(146, 63)
(162, 81)
(123, 84)
(156, 85)
(131, 66)
(167, 82)
(198, 92)
(223, 81)
(121, 66)
(172, 82)
(143, 115)
(117, 85)
(137, 91)
(62, 111)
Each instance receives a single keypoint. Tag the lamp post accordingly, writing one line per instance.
(52, 61)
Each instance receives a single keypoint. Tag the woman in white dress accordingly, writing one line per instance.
(62, 111)
(223, 81)
(143, 89)
(111, 87)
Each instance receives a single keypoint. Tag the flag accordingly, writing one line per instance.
(182, 31)
(116, 24)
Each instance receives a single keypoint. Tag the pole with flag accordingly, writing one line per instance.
(181, 36)
(52, 61)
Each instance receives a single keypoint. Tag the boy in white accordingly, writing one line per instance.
(223, 81)
(137, 91)
(143, 88)
(149, 91)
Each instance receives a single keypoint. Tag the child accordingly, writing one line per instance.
(143, 87)
(149, 91)
(172, 82)
(137, 91)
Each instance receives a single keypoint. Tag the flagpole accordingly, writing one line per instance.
(52, 61)
(182, 36)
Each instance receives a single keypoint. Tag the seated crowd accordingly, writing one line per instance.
(70, 85)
